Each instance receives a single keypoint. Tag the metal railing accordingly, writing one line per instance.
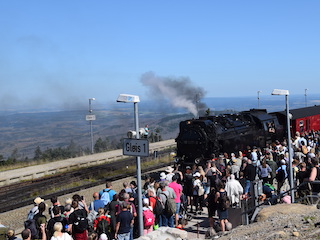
(251, 205)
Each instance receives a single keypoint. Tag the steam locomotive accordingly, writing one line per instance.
(199, 138)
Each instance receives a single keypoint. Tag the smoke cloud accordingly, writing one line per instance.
(178, 91)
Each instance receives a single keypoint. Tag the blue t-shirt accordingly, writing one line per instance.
(96, 205)
(111, 193)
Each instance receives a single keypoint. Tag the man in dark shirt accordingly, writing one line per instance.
(57, 218)
(124, 223)
(250, 173)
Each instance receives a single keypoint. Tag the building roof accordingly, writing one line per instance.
(303, 112)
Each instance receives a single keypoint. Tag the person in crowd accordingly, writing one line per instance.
(302, 176)
(264, 171)
(12, 235)
(249, 175)
(77, 233)
(315, 175)
(152, 203)
(35, 209)
(273, 165)
(169, 170)
(222, 212)
(212, 206)
(96, 203)
(56, 218)
(148, 217)
(59, 234)
(100, 228)
(107, 198)
(177, 188)
(178, 172)
(197, 195)
(127, 187)
(124, 222)
(163, 176)
(235, 168)
(163, 195)
(81, 202)
(234, 190)
(130, 207)
(282, 175)
(55, 202)
(111, 209)
(41, 219)
(26, 233)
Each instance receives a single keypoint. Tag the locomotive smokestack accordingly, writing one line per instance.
(178, 91)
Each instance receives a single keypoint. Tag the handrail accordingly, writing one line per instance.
(282, 194)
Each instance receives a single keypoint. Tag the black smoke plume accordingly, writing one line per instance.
(178, 91)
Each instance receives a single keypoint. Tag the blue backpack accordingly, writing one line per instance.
(105, 197)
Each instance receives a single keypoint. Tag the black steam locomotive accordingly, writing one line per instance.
(199, 138)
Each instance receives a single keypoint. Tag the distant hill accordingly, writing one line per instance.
(26, 130)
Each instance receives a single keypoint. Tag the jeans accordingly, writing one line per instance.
(124, 236)
(165, 221)
(247, 186)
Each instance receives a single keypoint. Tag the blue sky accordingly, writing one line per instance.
(60, 53)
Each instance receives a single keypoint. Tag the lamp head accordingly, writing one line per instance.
(280, 92)
(127, 98)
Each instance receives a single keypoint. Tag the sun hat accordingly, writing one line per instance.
(162, 176)
(38, 200)
(197, 174)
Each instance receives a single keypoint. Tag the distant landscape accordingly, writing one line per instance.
(23, 131)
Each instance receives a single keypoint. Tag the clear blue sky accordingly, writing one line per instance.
(64, 52)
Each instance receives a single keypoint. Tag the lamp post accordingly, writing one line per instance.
(305, 96)
(259, 98)
(286, 93)
(90, 118)
(126, 98)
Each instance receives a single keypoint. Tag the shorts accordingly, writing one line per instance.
(178, 208)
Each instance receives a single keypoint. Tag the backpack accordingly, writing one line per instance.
(170, 206)
(224, 201)
(148, 218)
(32, 226)
(105, 197)
(81, 223)
(281, 175)
(158, 207)
(92, 215)
(103, 226)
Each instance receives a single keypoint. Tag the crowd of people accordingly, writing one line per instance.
(180, 193)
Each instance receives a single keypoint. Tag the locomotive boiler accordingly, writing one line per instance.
(199, 138)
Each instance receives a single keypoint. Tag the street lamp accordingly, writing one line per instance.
(91, 117)
(259, 99)
(127, 98)
(305, 96)
(286, 93)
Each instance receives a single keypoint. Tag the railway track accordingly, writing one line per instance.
(20, 194)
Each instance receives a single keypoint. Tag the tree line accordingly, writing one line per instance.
(72, 150)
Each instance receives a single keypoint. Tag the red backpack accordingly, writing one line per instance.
(148, 218)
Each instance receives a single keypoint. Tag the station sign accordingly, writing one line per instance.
(90, 117)
(136, 147)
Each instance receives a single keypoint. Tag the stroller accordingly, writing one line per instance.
(183, 213)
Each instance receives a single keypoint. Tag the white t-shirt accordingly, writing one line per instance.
(65, 236)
